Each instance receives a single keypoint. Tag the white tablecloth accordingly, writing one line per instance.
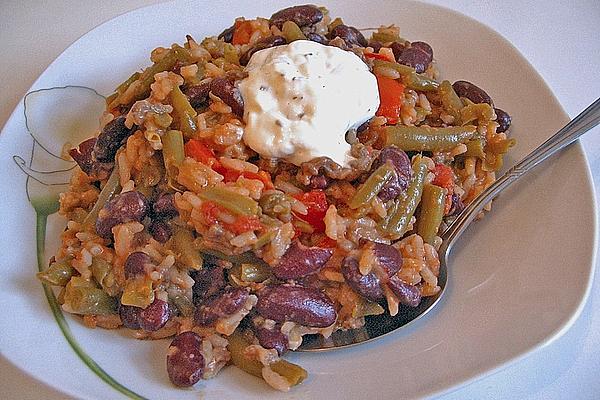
(562, 41)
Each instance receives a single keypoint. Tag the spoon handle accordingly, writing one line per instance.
(585, 121)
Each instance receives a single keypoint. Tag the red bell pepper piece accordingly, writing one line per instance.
(316, 203)
(244, 224)
(391, 93)
(444, 177)
(379, 56)
(201, 153)
(242, 33)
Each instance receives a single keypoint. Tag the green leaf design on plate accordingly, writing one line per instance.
(58, 117)
(41, 221)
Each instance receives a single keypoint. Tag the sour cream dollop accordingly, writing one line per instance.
(300, 100)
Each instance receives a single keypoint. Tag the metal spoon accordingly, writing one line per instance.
(380, 325)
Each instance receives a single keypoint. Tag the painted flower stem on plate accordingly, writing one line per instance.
(41, 221)
(43, 186)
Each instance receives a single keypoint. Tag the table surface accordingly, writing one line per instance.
(560, 39)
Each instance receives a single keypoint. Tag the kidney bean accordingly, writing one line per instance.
(397, 49)
(301, 15)
(110, 139)
(272, 339)
(160, 230)
(375, 45)
(389, 259)
(318, 182)
(185, 363)
(151, 318)
(503, 119)
(472, 92)
(227, 34)
(164, 206)
(299, 261)
(368, 286)
(83, 155)
(130, 316)
(362, 127)
(388, 262)
(401, 162)
(408, 294)
(126, 207)
(155, 316)
(197, 94)
(135, 264)
(315, 37)
(305, 306)
(348, 34)
(221, 305)
(424, 47)
(457, 205)
(419, 55)
(226, 90)
(209, 281)
(262, 44)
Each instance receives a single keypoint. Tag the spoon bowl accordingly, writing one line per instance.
(380, 325)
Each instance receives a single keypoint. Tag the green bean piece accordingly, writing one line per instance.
(372, 186)
(337, 21)
(411, 79)
(255, 272)
(237, 344)
(432, 212)
(184, 111)
(391, 210)
(365, 308)
(292, 32)
(236, 259)
(166, 63)
(102, 272)
(293, 374)
(474, 148)
(194, 80)
(121, 89)
(303, 226)
(276, 204)
(82, 297)
(426, 138)
(185, 249)
(125, 85)
(386, 37)
(138, 292)
(146, 78)
(111, 188)
(234, 202)
(500, 146)
(230, 54)
(264, 239)
(494, 154)
(421, 82)
(450, 100)
(492, 162)
(183, 304)
(109, 100)
(58, 273)
(404, 70)
(173, 155)
(234, 275)
(482, 113)
(409, 200)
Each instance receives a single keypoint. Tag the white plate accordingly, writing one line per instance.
(518, 279)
